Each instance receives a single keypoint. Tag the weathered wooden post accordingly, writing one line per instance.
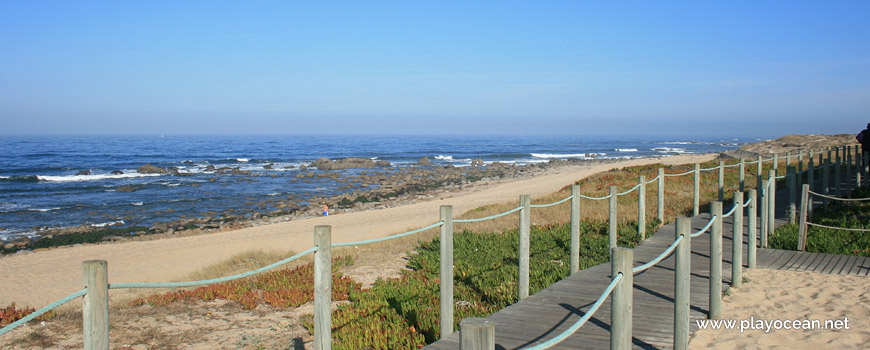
(95, 304)
(737, 242)
(826, 179)
(525, 232)
(696, 195)
(742, 170)
(721, 180)
(758, 177)
(811, 170)
(682, 275)
(323, 287)
(575, 228)
(612, 232)
(641, 208)
(802, 233)
(765, 210)
(621, 299)
(771, 207)
(775, 163)
(476, 333)
(800, 161)
(446, 270)
(753, 229)
(661, 196)
(716, 262)
(838, 180)
(791, 179)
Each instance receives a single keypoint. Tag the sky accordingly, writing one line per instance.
(734, 68)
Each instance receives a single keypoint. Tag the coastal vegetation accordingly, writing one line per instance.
(850, 215)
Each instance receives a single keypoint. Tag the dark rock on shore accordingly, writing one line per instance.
(150, 169)
(424, 161)
(84, 172)
(117, 172)
(345, 163)
(382, 164)
(126, 189)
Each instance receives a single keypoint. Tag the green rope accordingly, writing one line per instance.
(552, 204)
(489, 217)
(369, 241)
(658, 259)
(41, 311)
(709, 224)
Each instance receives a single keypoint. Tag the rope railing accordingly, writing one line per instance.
(733, 209)
(42, 311)
(568, 332)
(838, 198)
(514, 210)
(370, 241)
(653, 180)
(839, 228)
(708, 169)
(629, 191)
(659, 258)
(748, 202)
(552, 204)
(595, 198)
(680, 174)
(709, 224)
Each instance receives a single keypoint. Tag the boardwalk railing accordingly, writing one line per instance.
(806, 206)
(95, 277)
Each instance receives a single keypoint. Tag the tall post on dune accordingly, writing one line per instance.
(771, 207)
(446, 265)
(621, 299)
(612, 232)
(525, 232)
(765, 202)
(838, 180)
(716, 261)
(641, 208)
(661, 196)
(476, 333)
(742, 175)
(683, 269)
(826, 179)
(737, 242)
(753, 229)
(323, 287)
(758, 175)
(802, 228)
(95, 304)
(811, 170)
(696, 194)
(775, 163)
(791, 180)
(575, 229)
(721, 180)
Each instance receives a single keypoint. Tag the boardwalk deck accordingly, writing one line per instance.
(552, 310)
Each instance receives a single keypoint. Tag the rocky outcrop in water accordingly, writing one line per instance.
(345, 163)
(424, 161)
(150, 169)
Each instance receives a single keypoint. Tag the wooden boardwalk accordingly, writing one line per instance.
(546, 314)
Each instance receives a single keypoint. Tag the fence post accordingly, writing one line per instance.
(716, 262)
(612, 232)
(696, 194)
(791, 179)
(771, 207)
(721, 180)
(575, 228)
(446, 270)
(682, 275)
(641, 208)
(737, 242)
(802, 234)
(742, 174)
(800, 161)
(811, 169)
(753, 228)
(838, 175)
(95, 304)
(323, 287)
(621, 299)
(476, 333)
(758, 177)
(661, 195)
(775, 163)
(525, 231)
(765, 204)
(826, 178)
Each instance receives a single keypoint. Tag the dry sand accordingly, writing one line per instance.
(39, 278)
(788, 295)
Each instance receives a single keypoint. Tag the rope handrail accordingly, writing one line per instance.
(595, 198)
(708, 169)
(659, 258)
(733, 209)
(839, 199)
(779, 177)
(733, 165)
(629, 191)
(709, 224)
(653, 180)
(375, 240)
(489, 217)
(552, 204)
(681, 174)
(213, 280)
(568, 332)
(43, 310)
(748, 201)
(839, 228)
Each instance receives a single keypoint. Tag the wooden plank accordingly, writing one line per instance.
(832, 264)
(860, 267)
(839, 267)
(822, 265)
(782, 260)
(799, 261)
(814, 264)
(848, 265)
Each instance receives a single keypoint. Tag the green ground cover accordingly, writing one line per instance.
(855, 215)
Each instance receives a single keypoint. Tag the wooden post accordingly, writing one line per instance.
(476, 333)
(682, 275)
(826, 179)
(775, 163)
(800, 161)
(525, 232)
(802, 233)
(721, 180)
(811, 169)
(621, 299)
(575, 228)
(446, 270)
(771, 207)
(661, 195)
(95, 304)
(716, 262)
(641, 208)
(753, 229)
(838, 180)
(758, 177)
(696, 195)
(612, 232)
(323, 287)
(737, 242)
(742, 171)
(791, 179)
(765, 203)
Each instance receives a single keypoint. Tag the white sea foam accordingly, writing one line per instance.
(110, 223)
(679, 143)
(571, 155)
(242, 160)
(441, 157)
(626, 149)
(42, 209)
(137, 203)
(670, 150)
(70, 178)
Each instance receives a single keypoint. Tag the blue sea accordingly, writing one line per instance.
(40, 188)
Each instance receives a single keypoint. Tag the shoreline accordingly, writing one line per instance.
(41, 277)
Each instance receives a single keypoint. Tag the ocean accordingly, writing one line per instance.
(41, 186)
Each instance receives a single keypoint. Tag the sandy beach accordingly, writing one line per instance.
(773, 295)
(38, 278)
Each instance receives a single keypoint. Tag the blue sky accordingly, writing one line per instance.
(435, 67)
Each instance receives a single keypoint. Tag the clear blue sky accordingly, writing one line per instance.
(434, 67)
